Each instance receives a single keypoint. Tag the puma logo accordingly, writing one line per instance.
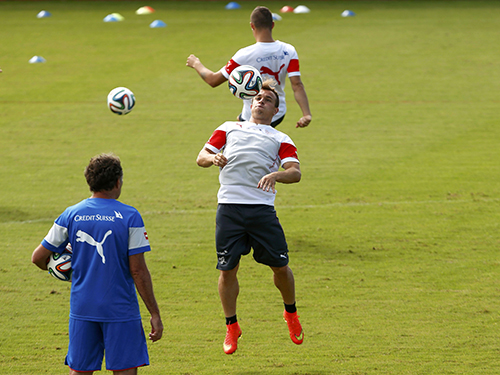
(266, 70)
(85, 237)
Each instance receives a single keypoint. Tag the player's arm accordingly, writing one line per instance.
(300, 95)
(214, 79)
(142, 279)
(206, 158)
(289, 175)
(40, 256)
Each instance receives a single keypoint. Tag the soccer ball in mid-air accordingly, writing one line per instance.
(121, 100)
(59, 265)
(245, 82)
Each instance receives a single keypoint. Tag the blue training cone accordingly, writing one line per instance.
(348, 13)
(233, 5)
(43, 14)
(157, 23)
(37, 59)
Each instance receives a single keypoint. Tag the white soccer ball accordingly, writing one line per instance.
(121, 100)
(245, 82)
(59, 265)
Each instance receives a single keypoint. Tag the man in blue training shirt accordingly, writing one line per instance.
(109, 241)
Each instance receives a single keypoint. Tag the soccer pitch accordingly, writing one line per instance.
(393, 230)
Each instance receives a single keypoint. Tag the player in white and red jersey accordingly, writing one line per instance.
(249, 155)
(273, 58)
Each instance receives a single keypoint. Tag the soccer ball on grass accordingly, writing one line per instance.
(121, 100)
(59, 265)
(245, 82)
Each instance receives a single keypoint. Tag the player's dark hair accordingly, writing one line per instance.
(103, 172)
(268, 85)
(262, 18)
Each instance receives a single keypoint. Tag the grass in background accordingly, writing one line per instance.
(392, 230)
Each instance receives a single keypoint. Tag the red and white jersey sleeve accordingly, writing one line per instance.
(253, 151)
(274, 60)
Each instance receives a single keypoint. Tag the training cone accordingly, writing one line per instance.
(301, 9)
(37, 59)
(233, 5)
(110, 18)
(157, 23)
(286, 9)
(144, 10)
(348, 13)
(43, 14)
(118, 16)
(276, 17)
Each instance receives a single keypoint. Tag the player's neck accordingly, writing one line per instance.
(105, 194)
(264, 37)
(260, 121)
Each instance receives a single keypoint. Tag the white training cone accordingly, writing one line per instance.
(118, 16)
(301, 9)
(157, 23)
(144, 10)
(43, 14)
(276, 17)
(348, 13)
(37, 59)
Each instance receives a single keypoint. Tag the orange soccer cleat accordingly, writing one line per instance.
(232, 335)
(296, 331)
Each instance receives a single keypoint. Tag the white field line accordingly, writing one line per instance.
(294, 207)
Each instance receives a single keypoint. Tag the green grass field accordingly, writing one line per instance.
(393, 230)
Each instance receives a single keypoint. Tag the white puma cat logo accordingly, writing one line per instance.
(85, 237)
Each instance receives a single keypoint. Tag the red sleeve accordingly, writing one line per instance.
(230, 66)
(218, 139)
(293, 66)
(288, 150)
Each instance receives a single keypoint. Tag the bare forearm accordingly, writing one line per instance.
(289, 176)
(144, 285)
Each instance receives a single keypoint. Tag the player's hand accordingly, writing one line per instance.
(220, 160)
(192, 60)
(156, 328)
(304, 121)
(268, 182)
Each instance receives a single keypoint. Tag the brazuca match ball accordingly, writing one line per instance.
(59, 265)
(245, 82)
(121, 100)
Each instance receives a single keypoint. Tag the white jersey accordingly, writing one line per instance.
(253, 151)
(274, 60)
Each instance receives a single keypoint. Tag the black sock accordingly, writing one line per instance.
(231, 320)
(290, 308)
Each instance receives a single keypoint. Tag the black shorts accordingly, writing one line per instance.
(240, 227)
(273, 124)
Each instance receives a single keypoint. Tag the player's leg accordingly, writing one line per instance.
(285, 282)
(86, 347)
(228, 291)
(126, 348)
(132, 371)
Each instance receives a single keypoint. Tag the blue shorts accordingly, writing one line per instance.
(241, 227)
(124, 343)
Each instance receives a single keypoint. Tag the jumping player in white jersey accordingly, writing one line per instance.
(249, 155)
(108, 240)
(273, 58)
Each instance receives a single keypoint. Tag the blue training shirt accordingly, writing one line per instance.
(103, 234)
